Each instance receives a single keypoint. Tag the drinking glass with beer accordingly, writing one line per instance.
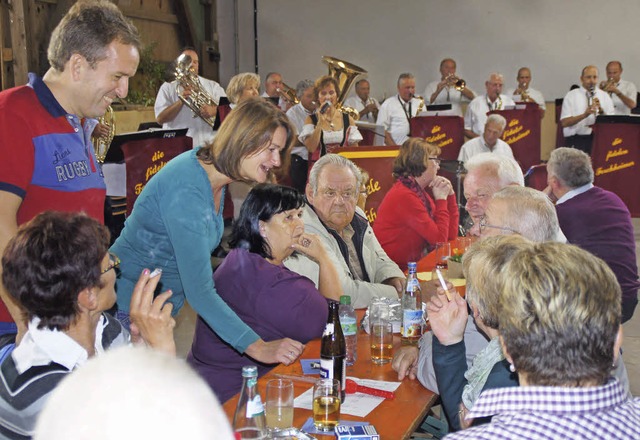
(381, 341)
(279, 404)
(326, 404)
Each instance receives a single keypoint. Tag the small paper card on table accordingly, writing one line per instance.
(310, 366)
(357, 404)
(310, 428)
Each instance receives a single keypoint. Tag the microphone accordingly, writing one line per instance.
(325, 107)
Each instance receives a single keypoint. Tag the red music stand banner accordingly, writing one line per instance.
(447, 132)
(615, 157)
(378, 162)
(522, 133)
(145, 157)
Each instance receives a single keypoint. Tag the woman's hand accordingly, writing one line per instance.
(441, 188)
(284, 351)
(151, 319)
(311, 246)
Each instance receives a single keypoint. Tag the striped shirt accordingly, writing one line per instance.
(537, 412)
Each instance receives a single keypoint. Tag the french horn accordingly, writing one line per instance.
(345, 73)
(101, 144)
(186, 79)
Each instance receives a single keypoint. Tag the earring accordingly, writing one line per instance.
(512, 368)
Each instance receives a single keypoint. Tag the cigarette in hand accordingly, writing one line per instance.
(155, 273)
(443, 283)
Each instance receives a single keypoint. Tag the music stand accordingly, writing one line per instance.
(115, 154)
(456, 167)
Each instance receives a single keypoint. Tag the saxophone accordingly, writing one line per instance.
(421, 105)
(187, 79)
(101, 144)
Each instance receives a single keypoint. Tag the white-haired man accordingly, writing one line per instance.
(489, 142)
(364, 268)
(493, 99)
(396, 112)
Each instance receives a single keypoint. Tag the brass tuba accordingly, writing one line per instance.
(288, 94)
(345, 73)
(101, 144)
(186, 79)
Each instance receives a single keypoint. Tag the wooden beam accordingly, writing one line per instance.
(159, 17)
(18, 42)
(183, 12)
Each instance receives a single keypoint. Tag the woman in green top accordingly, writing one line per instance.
(177, 222)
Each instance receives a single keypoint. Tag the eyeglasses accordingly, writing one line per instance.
(436, 160)
(114, 262)
(483, 225)
(331, 194)
(477, 196)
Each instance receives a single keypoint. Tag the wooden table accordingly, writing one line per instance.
(393, 419)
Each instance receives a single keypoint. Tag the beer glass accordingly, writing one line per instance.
(443, 252)
(326, 404)
(279, 404)
(381, 342)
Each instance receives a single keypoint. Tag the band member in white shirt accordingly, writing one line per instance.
(445, 90)
(525, 93)
(396, 112)
(366, 105)
(623, 93)
(493, 99)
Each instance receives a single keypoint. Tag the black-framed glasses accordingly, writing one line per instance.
(437, 160)
(483, 225)
(114, 262)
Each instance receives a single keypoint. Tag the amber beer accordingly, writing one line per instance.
(381, 342)
(333, 349)
(326, 412)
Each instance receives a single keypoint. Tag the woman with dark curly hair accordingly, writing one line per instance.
(274, 301)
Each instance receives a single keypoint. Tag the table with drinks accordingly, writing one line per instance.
(393, 419)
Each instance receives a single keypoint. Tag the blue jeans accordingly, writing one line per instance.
(124, 319)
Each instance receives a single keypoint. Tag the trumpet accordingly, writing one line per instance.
(101, 144)
(604, 85)
(457, 83)
(288, 94)
(186, 79)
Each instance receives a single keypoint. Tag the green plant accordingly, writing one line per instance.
(145, 84)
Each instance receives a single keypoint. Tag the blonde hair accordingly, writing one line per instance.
(560, 314)
(480, 264)
(239, 82)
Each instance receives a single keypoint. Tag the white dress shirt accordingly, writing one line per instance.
(534, 94)
(199, 131)
(478, 145)
(476, 115)
(297, 115)
(576, 102)
(395, 119)
(629, 90)
(448, 95)
(356, 103)
(281, 102)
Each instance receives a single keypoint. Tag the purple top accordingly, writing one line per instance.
(598, 221)
(274, 301)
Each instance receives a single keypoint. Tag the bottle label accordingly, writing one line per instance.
(255, 407)
(412, 323)
(326, 368)
(349, 326)
(328, 330)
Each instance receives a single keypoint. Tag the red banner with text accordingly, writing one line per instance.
(447, 132)
(144, 158)
(522, 133)
(615, 157)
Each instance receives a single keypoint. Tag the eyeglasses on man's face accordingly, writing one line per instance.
(332, 194)
(483, 226)
(114, 262)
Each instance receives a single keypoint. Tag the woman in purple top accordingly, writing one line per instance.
(274, 301)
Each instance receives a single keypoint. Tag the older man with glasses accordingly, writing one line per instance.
(364, 268)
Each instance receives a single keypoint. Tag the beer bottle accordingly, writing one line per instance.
(333, 350)
(412, 321)
(249, 419)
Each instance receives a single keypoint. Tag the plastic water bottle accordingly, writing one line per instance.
(249, 419)
(349, 325)
(412, 322)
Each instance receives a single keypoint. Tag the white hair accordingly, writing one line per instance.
(332, 159)
(133, 393)
(506, 169)
(495, 118)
